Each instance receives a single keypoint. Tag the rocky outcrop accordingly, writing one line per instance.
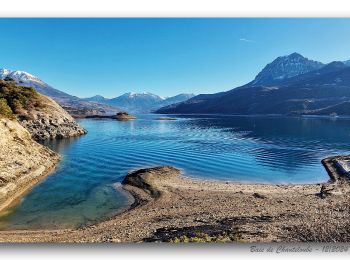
(120, 116)
(124, 116)
(23, 162)
(50, 121)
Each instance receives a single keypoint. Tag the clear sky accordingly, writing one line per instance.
(85, 57)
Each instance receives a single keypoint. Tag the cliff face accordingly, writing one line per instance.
(39, 114)
(23, 162)
(50, 121)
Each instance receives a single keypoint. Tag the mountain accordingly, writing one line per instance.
(285, 67)
(178, 98)
(25, 79)
(73, 104)
(311, 91)
(347, 63)
(140, 102)
(136, 102)
(97, 98)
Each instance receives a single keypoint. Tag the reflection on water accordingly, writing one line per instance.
(245, 149)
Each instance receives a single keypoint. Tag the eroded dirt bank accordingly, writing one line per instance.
(23, 162)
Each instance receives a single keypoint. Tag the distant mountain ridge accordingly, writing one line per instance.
(96, 105)
(140, 102)
(74, 105)
(289, 85)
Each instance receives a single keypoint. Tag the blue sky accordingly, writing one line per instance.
(85, 57)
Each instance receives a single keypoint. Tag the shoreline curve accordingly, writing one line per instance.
(168, 206)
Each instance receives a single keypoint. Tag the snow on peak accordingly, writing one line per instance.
(141, 95)
(4, 73)
(286, 67)
(19, 76)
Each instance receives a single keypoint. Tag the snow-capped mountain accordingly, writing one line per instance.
(136, 102)
(21, 77)
(132, 97)
(28, 80)
(285, 67)
(72, 104)
(322, 91)
(140, 102)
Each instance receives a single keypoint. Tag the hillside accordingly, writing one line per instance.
(310, 90)
(39, 114)
(23, 162)
(74, 105)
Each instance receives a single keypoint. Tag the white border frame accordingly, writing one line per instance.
(175, 8)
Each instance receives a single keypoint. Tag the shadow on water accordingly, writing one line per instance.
(60, 145)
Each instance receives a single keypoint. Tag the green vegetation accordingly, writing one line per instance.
(17, 100)
(5, 110)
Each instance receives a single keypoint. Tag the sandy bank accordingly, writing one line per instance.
(23, 162)
(169, 207)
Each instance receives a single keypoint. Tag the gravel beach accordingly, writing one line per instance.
(168, 207)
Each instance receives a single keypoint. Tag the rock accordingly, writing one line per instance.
(259, 196)
(124, 116)
(121, 116)
(328, 191)
(23, 162)
(50, 121)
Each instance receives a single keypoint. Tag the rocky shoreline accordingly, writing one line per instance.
(25, 118)
(171, 208)
(23, 162)
(50, 122)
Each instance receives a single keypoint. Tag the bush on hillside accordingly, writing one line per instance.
(5, 110)
(19, 99)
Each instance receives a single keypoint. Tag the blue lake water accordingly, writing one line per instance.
(233, 148)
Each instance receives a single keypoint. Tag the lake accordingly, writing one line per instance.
(246, 149)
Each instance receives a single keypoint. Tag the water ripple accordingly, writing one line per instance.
(245, 149)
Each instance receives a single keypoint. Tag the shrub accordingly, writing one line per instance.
(5, 110)
(19, 99)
